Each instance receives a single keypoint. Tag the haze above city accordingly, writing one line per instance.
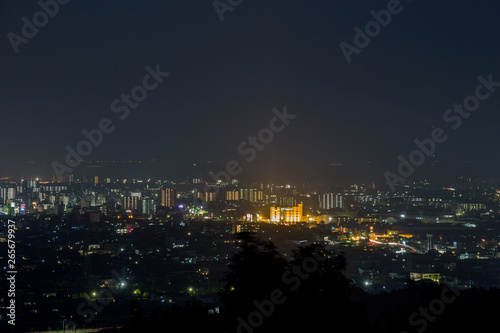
(226, 77)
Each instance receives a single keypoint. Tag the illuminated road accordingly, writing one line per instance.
(411, 248)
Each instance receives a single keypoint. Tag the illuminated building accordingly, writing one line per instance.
(319, 218)
(132, 203)
(148, 207)
(7, 193)
(287, 215)
(32, 184)
(68, 178)
(326, 201)
(339, 202)
(270, 199)
(54, 188)
(245, 227)
(209, 196)
(330, 200)
(232, 195)
(251, 194)
(368, 219)
(168, 197)
(467, 207)
(206, 196)
(425, 276)
(429, 242)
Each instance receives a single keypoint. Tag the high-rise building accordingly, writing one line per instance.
(32, 184)
(330, 201)
(339, 201)
(68, 178)
(148, 207)
(429, 242)
(131, 203)
(209, 196)
(8, 193)
(232, 195)
(287, 215)
(168, 197)
(11, 193)
(251, 194)
(326, 201)
(100, 200)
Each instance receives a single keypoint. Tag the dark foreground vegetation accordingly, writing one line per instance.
(264, 292)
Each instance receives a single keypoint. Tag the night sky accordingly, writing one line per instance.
(226, 78)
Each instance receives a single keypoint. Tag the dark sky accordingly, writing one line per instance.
(226, 77)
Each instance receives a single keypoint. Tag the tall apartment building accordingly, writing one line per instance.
(168, 197)
(330, 201)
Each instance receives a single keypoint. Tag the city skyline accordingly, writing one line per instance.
(249, 166)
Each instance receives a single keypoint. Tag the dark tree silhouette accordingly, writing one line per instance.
(252, 272)
(265, 293)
